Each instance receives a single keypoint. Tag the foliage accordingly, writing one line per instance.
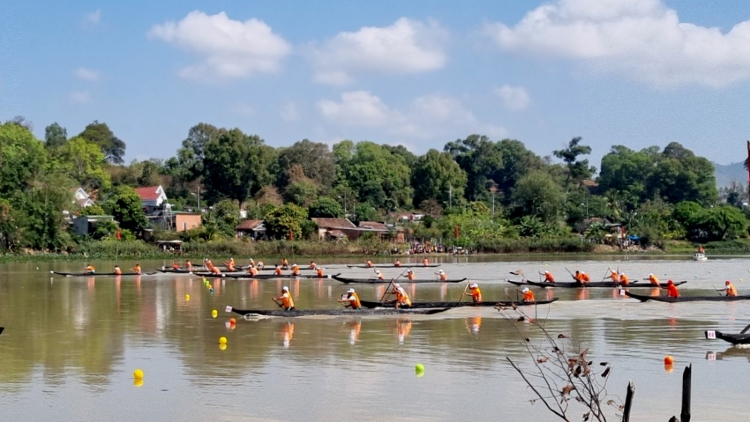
(125, 205)
(437, 177)
(578, 170)
(83, 161)
(326, 207)
(55, 136)
(286, 222)
(315, 159)
(380, 177)
(226, 216)
(364, 212)
(538, 195)
(101, 135)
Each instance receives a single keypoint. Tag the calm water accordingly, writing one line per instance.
(71, 344)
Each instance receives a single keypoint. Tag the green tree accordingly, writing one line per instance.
(83, 162)
(379, 176)
(478, 157)
(326, 207)
(226, 215)
(578, 170)
(55, 135)
(437, 176)
(539, 196)
(286, 220)
(365, 212)
(101, 135)
(314, 161)
(125, 205)
(681, 176)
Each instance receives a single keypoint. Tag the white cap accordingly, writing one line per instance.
(441, 271)
(546, 272)
(285, 289)
(350, 291)
(727, 287)
(472, 285)
(396, 285)
(650, 274)
(525, 290)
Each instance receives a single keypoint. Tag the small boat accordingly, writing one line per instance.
(700, 257)
(334, 312)
(274, 276)
(395, 266)
(405, 281)
(1, 329)
(716, 298)
(576, 285)
(99, 274)
(456, 304)
(742, 338)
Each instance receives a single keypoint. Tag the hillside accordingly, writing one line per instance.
(726, 174)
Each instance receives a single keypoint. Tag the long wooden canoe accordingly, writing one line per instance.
(334, 312)
(98, 274)
(576, 285)
(274, 276)
(455, 304)
(395, 266)
(743, 338)
(713, 298)
(401, 281)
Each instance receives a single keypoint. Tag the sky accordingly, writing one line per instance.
(419, 73)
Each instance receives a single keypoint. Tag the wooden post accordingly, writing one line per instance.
(686, 378)
(628, 402)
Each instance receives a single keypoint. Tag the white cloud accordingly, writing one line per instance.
(227, 48)
(93, 18)
(407, 46)
(80, 97)
(289, 112)
(425, 117)
(87, 74)
(642, 39)
(514, 98)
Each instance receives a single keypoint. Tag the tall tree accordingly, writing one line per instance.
(538, 195)
(315, 160)
(578, 170)
(55, 135)
(83, 162)
(479, 157)
(379, 176)
(126, 206)
(437, 176)
(101, 135)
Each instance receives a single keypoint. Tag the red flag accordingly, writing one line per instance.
(118, 234)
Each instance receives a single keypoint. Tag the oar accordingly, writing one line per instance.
(717, 290)
(274, 301)
(463, 294)
(605, 274)
(741, 332)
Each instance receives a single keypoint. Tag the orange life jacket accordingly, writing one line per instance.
(397, 263)
(615, 277)
(731, 291)
(295, 270)
(528, 296)
(354, 301)
(369, 264)
(277, 271)
(118, 271)
(410, 275)
(90, 268)
(381, 276)
(654, 280)
(672, 291)
(549, 278)
(476, 294)
(425, 262)
(402, 297)
(287, 301)
(585, 277)
(137, 269)
(624, 279)
(319, 270)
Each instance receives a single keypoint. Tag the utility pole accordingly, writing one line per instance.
(450, 196)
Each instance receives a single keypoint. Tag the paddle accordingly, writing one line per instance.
(463, 294)
(741, 332)
(605, 273)
(276, 302)
(717, 290)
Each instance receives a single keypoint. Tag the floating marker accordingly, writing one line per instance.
(138, 374)
(419, 370)
(214, 313)
(668, 360)
(222, 340)
(187, 297)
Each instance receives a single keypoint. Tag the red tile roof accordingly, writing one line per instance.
(148, 193)
(373, 225)
(248, 224)
(334, 223)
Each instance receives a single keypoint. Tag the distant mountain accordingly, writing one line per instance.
(726, 174)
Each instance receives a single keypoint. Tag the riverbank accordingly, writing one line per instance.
(138, 249)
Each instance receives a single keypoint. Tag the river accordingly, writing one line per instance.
(70, 346)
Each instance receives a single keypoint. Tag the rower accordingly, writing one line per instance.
(351, 300)
(175, 266)
(379, 275)
(295, 270)
(442, 276)
(118, 271)
(90, 269)
(312, 265)
(230, 265)
(189, 265)
(615, 276)
(284, 264)
(137, 269)
(579, 277)
(476, 294)
(369, 264)
(653, 279)
(252, 270)
(585, 277)
(528, 295)
(397, 263)
(319, 270)
(277, 270)
(624, 280)
(548, 277)
(215, 270)
(701, 250)
(672, 289)
(260, 265)
(410, 274)
(425, 262)
(287, 303)
(729, 288)
(402, 299)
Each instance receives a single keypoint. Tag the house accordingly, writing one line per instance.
(335, 228)
(82, 198)
(174, 220)
(255, 229)
(83, 225)
(152, 197)
(402, 217)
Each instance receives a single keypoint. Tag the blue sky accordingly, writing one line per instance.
(417, 73)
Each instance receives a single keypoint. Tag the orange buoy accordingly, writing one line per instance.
(668, 360)
(232, 321)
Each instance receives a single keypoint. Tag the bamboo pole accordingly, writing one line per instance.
(628, 402)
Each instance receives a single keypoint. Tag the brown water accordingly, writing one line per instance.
(71, 344)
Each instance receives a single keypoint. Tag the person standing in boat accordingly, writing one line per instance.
(117, 270)
(548, 277)
(476, 294)
(379, 275)
(672, 289)
(528, 295)
(442, 276)
(410, 274)
(90, 269)
(352, 300)
(729, 288)
(402, 299)
(295, 270)
(287, 303)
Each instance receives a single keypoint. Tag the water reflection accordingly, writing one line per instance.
(473, 324)
(354, 328)
(403, 328)
(287, 333)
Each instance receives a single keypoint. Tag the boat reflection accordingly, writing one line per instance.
(583, 294)
(403, 327)
(473, 324)
(731, 352)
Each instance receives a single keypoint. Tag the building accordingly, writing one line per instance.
(183, 221)
(85, 224)
(255, 229)
(152, 197)
(81, 198)
(338, 228)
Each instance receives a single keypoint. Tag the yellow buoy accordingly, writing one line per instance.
(222, 340)
(138, 374)
(214, 313)
(419, 370)
(187, 297)
(223, 346)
